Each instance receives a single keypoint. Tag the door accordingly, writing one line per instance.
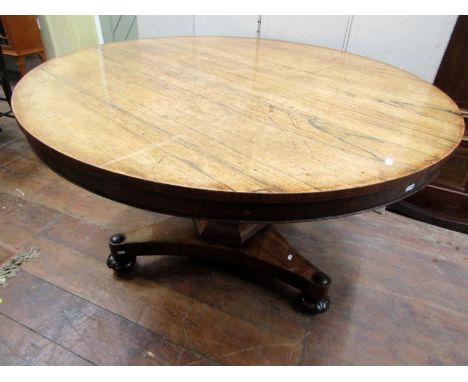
(118, 28)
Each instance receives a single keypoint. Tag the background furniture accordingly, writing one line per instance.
(5, 87)
(445, 201)
(20, 37)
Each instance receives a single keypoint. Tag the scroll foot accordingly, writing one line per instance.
(256, 248)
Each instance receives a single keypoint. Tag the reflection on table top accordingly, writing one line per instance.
(238, 115)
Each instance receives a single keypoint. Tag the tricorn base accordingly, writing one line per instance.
(255, 247)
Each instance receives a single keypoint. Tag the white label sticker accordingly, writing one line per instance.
(121, 252)
(410, 187)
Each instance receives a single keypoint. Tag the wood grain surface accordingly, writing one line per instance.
(399, 296)
(241, 118)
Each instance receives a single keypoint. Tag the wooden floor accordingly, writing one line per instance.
(399, 293)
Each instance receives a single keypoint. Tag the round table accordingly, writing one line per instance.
(235, 133)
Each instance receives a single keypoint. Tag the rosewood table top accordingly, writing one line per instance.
(237, 128)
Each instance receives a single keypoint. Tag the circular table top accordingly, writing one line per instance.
(237, 119)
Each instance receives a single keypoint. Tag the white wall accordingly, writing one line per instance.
(328, 31)
(414, 43)
(161, 26)
(243, 26)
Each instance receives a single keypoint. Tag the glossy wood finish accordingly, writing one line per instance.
(399, 295)
(230, 233)
(238, 129)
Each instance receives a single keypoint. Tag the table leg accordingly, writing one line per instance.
(256, 248)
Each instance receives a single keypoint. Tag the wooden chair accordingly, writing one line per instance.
(20, 37)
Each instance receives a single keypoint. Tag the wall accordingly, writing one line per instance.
(64, 34)
(161, 26)
(328, 31)
(413, 43)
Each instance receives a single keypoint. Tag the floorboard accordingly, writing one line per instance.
(20, 346)
(93, 333)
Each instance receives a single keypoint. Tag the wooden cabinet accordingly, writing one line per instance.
(20, 36)
(445, 201)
